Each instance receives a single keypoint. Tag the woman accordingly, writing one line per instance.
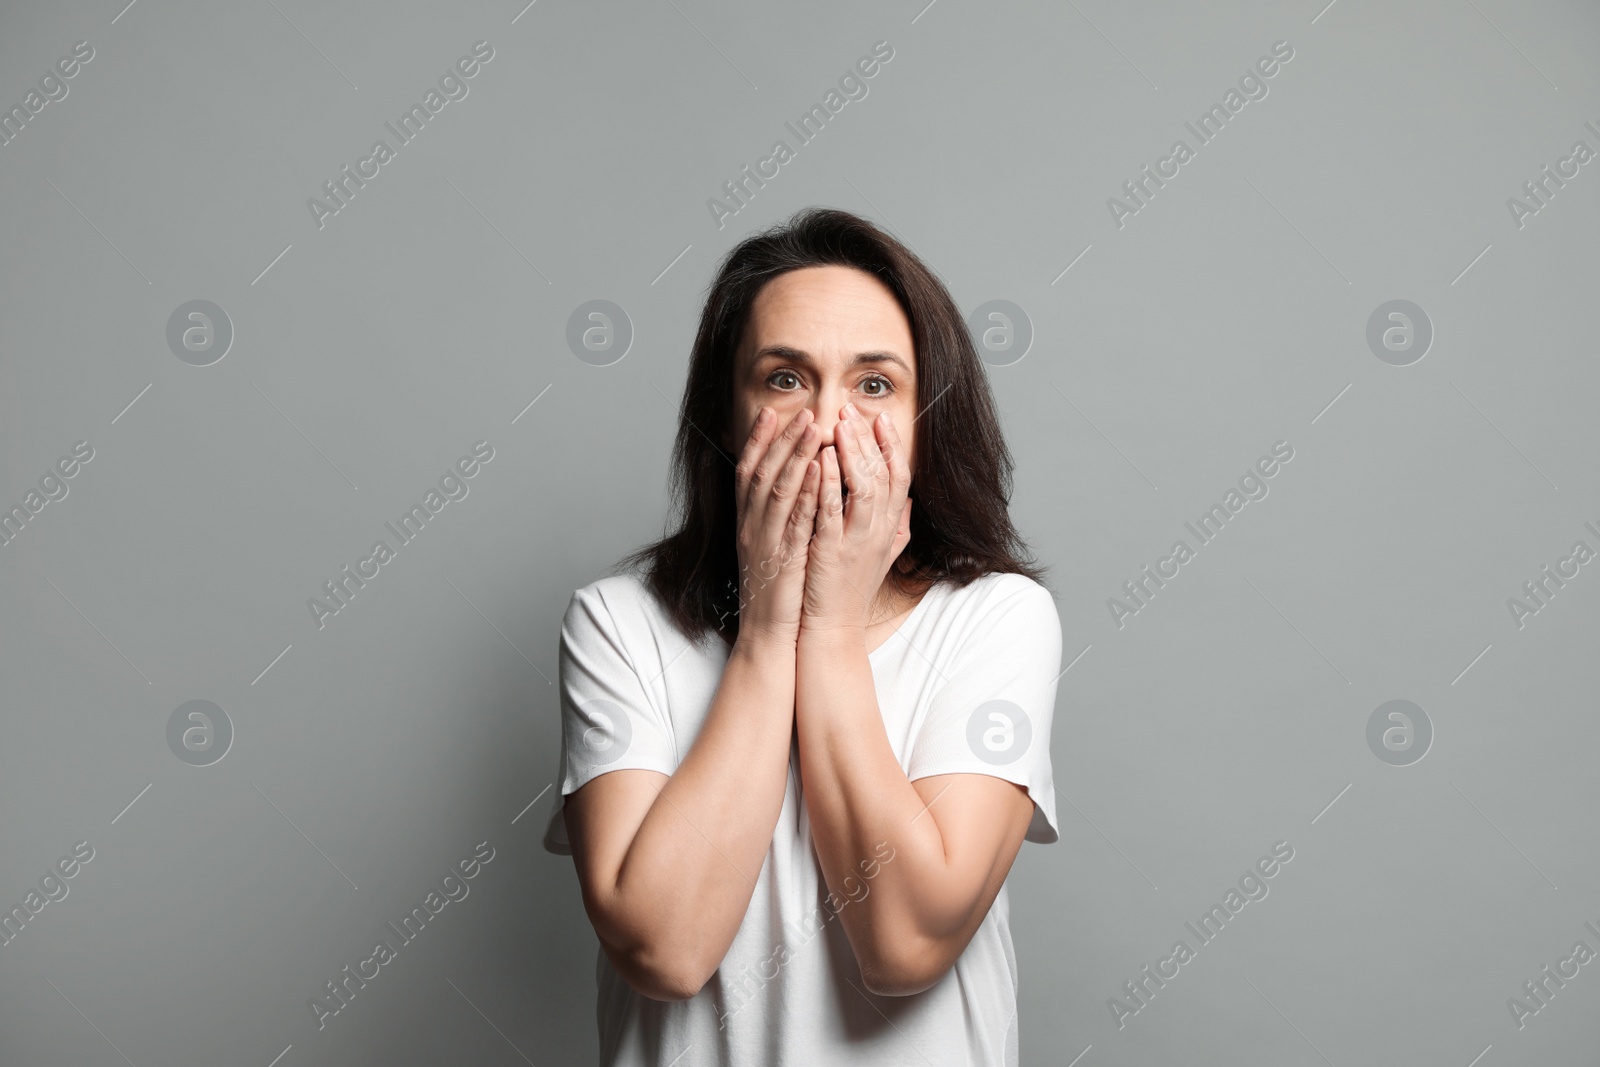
(803, 747)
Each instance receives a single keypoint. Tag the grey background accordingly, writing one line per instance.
(1230, 313)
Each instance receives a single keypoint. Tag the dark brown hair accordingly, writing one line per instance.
(960, 487)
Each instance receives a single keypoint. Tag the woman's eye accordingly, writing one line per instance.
(787, 381)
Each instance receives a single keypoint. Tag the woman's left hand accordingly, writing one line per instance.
(858, 538)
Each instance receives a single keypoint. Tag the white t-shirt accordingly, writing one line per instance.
(967, 684)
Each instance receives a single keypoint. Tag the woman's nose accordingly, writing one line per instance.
(826, 413)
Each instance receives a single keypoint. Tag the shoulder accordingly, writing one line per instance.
(1002, 607)
(618, 588)
(1002, 591)
(624, 599)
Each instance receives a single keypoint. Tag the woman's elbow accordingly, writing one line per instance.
(904, 973)
(647, 953)
(665, 985)
(658, 976)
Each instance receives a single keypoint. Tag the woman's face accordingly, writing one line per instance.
(819, 338)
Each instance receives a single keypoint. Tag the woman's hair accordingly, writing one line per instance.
(961, 483)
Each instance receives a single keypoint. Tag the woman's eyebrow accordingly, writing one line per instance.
(798, 356)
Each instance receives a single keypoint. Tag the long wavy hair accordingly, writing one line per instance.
(960, 486)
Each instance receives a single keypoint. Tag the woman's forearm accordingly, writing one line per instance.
(683, 885)
(857, 796)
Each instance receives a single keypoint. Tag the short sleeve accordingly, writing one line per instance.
(611, 719)
(991, 713)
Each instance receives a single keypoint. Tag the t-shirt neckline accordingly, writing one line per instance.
(910, 620)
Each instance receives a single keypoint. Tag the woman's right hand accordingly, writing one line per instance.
(776, 486)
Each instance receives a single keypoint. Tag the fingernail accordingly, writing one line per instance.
(852, 410)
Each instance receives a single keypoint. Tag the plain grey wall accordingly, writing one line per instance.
(1173, 344)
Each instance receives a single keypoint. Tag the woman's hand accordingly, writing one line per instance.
(776, 487)
(859, 538)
